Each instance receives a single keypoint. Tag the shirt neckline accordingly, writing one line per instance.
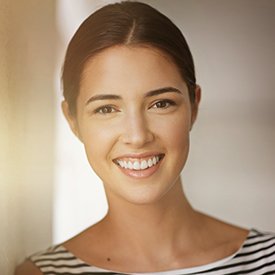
(181, 271)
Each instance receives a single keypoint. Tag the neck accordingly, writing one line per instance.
(159, 225)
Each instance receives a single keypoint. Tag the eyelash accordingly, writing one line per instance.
(167, 103)
(106, 107)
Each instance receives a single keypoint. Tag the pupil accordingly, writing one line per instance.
(161, 104)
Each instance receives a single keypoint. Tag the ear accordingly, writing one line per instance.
(71, 119)
(195, 105)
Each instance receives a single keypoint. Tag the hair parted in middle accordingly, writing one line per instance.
(125, 23)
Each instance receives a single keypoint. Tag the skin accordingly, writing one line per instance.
(148, 212)
(135, 125)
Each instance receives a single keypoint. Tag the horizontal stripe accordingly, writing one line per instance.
(82, 273)
(256, 256)
(259, 242)
(256, 251)
(249, 271)
(71, 258)
(243, 263)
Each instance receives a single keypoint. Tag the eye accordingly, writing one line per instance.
(105, 110)
(163, 104)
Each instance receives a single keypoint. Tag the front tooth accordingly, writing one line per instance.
(129, 165)
(136, 165)
(144, 164)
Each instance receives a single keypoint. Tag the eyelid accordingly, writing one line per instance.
(98, 109)
(166, 100)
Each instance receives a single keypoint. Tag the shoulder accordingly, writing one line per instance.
(37, 263)
(257, 253)
(27, 268)
(260, 241)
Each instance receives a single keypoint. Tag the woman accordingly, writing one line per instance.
(130, 96)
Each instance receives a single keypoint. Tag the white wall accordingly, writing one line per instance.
(230, 173)
(27, 128)
(79, 198)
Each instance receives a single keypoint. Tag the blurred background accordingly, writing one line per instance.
(48, 192)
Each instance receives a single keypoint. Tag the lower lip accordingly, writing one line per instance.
(141, 174)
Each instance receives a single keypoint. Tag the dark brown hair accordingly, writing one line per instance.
(125, 23)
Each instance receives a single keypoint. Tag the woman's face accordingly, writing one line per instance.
(134, 117)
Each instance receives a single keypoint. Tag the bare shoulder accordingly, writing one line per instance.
(225, 232)
(27, 268)
(92, 245)
(93, 237)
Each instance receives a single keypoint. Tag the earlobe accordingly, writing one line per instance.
(70, 118)
(195, 105)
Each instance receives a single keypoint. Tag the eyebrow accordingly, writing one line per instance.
(163, 91)
(148, 94)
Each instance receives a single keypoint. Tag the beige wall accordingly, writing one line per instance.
(26, 124)
(9, 235)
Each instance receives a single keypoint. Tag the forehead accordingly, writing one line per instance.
(124, 68)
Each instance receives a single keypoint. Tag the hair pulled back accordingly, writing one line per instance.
(125, 23)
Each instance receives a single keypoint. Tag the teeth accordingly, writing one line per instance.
(138, 165)
(144, 165)
(121, 163)
(129, 165)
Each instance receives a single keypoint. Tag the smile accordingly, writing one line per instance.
(138, 163)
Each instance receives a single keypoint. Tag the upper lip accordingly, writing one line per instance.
(139, 155)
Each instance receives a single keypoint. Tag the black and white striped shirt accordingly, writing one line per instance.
(255, 257)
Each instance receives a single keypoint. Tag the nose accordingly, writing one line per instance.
(136, 130)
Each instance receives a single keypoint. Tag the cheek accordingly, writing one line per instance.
(175, 131)
(175, 135)
(98, 140)
(179, 144)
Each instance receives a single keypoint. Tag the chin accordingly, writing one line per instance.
(144, 195)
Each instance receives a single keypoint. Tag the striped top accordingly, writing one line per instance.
(255, 257)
